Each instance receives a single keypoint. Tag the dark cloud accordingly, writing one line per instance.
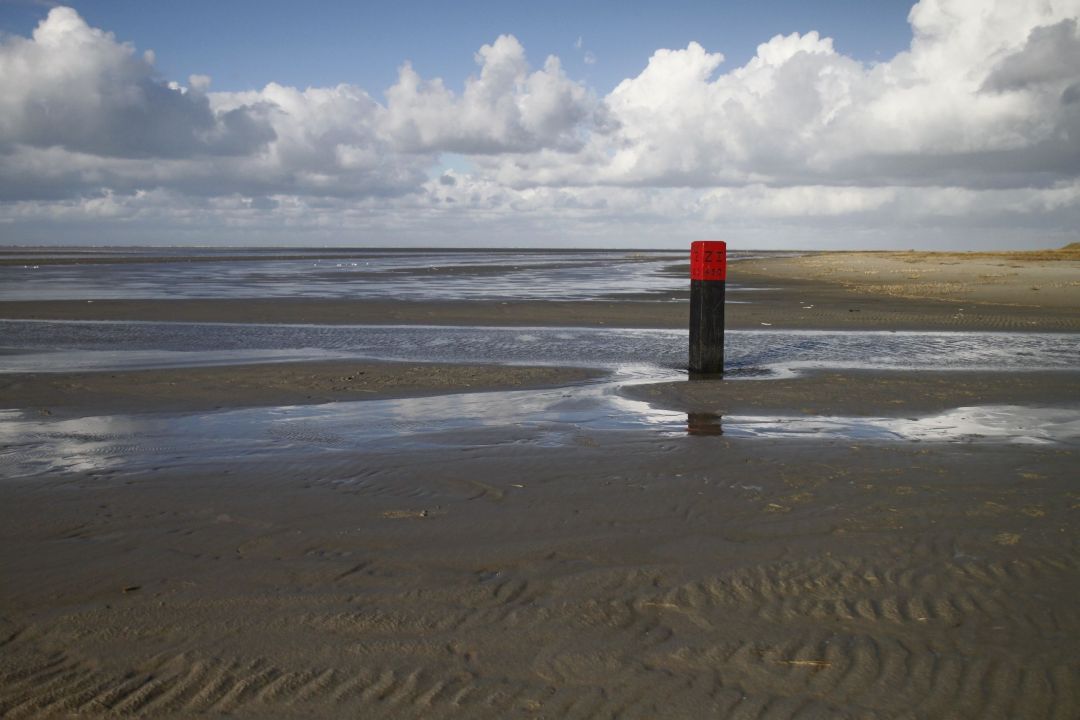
(1050, 55)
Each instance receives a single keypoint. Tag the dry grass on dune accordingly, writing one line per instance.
(1068, 252)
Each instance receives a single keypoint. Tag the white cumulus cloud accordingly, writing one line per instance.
(972, 132)
(75, 87)
(506, 108)
(985, 96)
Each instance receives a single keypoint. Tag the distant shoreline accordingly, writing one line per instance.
(123, 254)
(834, 291)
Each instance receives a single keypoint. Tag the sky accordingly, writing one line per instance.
(946, 124)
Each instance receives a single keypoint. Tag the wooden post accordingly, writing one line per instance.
(708, 276)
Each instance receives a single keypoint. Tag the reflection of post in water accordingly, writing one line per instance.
(704, 424)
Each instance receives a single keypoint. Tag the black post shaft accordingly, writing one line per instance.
(707, 327)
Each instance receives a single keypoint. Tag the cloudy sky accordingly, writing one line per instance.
(784, 124)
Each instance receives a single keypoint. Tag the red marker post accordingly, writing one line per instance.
(708, 277)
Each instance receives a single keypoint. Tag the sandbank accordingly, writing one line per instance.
(1046, 279)
(293, 383)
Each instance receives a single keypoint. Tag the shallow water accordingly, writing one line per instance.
(62, 346)
(373, 274)
(34, 445)
(368, 275)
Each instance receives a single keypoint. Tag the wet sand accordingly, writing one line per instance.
(293, 383)
(794, 304)
(612, 574)
(850, 392)
(616, 576)
(360, 312)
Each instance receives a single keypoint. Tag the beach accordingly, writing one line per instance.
(811, 537)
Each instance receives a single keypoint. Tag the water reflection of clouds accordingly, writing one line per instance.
(986, 424)
(39, 445)
(545, 417)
